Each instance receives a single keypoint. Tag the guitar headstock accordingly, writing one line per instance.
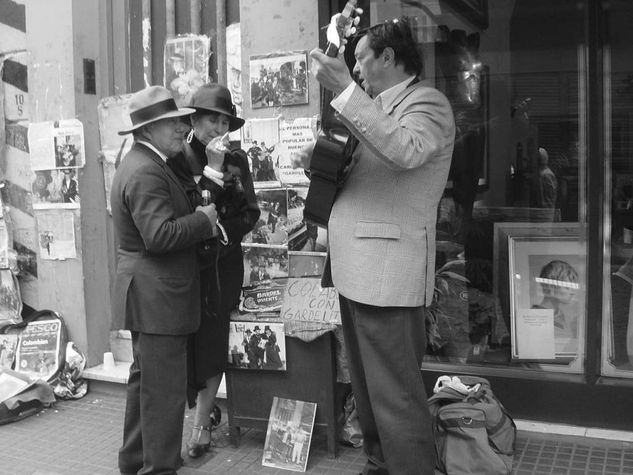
(339, 27)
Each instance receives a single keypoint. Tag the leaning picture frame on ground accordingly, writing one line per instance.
(289, 434)
(547, 304)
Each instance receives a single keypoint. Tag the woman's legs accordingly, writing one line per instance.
(201, 433)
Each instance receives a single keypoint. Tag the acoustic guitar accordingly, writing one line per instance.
(331, 153)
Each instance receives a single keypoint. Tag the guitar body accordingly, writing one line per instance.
(331, 154)
(326, 176)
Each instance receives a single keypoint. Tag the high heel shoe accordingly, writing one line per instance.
(196, 449)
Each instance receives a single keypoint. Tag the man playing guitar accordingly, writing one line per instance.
(381, 233)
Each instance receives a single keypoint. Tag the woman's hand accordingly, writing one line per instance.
(215, 151)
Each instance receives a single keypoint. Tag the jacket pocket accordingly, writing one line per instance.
(374, 229)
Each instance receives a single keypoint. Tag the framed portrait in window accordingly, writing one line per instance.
(547, 297)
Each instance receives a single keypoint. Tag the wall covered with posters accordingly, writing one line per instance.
(48, 161)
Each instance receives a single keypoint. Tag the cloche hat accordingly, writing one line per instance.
(216, 98)
(151, 104)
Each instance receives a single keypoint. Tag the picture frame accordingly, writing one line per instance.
(547, 305)
(278, 79)
(502, 231)
(289, 434)
(255, 345)
(264, 263)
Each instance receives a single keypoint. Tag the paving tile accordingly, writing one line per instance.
(83, 436)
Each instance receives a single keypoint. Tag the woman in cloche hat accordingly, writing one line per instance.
(225, 175)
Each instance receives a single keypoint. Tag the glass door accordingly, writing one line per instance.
(617, 347)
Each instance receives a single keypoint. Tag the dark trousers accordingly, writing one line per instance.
(154, 412)
(385, 346)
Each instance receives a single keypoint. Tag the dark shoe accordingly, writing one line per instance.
(198, 445)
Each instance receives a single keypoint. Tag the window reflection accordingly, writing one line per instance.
(513, 72)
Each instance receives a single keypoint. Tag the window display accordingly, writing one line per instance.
(509, 223)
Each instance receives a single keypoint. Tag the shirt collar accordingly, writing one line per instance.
(387, 98)
(154, 149)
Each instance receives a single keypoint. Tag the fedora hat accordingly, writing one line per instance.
(151, 104)
(216, 98)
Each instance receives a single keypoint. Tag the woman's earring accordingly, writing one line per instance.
(189, 136)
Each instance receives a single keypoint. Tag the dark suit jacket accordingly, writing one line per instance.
(238, 211)
(157, 288)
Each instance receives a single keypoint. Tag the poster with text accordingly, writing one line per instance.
(294, 135)
(37, 355)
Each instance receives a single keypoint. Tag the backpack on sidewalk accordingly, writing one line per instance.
(474, 434)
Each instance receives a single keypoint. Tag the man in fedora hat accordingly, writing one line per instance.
(156, 290)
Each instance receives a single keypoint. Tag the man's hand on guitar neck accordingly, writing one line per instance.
(332, 73)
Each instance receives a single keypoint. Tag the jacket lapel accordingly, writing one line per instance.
(415, 83)
(159, 161)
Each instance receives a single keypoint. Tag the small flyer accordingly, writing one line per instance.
(57, 144)
(55, 188)
(37, 355)
(56, 232)
(534, 334)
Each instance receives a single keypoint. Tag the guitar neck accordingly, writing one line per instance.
(328, 118)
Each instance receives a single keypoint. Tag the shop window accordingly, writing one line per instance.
(511, 248)
(617, 348)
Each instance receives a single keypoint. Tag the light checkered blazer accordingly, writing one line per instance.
(381, 233)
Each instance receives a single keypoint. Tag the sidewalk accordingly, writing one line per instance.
(82, 437)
